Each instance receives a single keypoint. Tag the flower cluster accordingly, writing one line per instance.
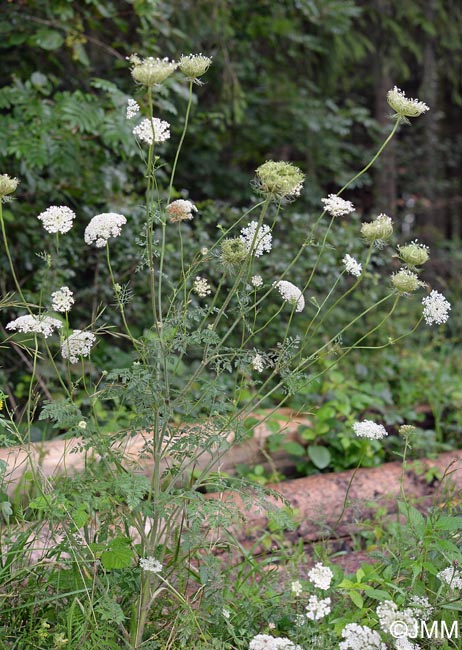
(151, 564)
(369, 429)
(290, 293)
(102, 227)
(62, 300)
(296, 588)
(257, 240)
(452, 576)
(406, 281)
(258, 362)
(37, 324)
(321, 576)
(201, 286)
(317, 608)
(436, 308)
(379, 231)
(266, 642)
(154, 130)
(414, 254)
(132, 109)
(151, 71)
(256, 281)
(393, 621)
(281, 180)
(57, 219)
(352, 266)
(336, 206)
(8, 185)
(180, 210)
(194, 65)
(403, 106)
(77, 345)
(360, 637)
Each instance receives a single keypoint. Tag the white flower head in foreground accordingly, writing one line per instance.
(256, 241)
(102, 227)
(62, 300)
(258, 363)
(317, 608)
(151, 564)
(132, 108)
(296, 588)
(151, 131)
(57, 219)
(290, 293)
(403, 106)
(436, 308)
(37, 324)
(403, 643)
(395, 622)
(360, 637)
(321, 576)
(266, 642)
(256, 281)
(452, 576)
(201, 286)
(194, 65)
(180, 210)
(369, 429)
(151, 71)
(77, 345)
(82, 424)
(336, 206)
(421, 607)
(352, 266)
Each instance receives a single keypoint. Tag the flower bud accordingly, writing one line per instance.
(280, 179)
(151, 71)
(233, 252)
(379, 231)
(414, 254)
(194, 65)
(8, 185)
(405, 281)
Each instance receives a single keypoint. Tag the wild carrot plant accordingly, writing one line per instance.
(135, 550)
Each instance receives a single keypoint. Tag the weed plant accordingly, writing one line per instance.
(113, 558)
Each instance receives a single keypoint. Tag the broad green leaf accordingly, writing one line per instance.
(357, 599)
(319, 456)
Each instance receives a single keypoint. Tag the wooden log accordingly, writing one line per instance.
(334, 504)
(68, 456)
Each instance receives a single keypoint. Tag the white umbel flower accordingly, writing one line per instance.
(57, 219)
(360, 637)
(37, 324)
(62, 300)
(256, 281)
(257, 240)
(201, 286)
(296, 588)
(151, 565)
(421, 607)
(369, 429)
(151, 131)
(404, 644)
(267, 642)
(258, 362)
(321, 576)
(395, 622)
(452, 576)
(290, 293)
(403, 106)
(102, 227)
(132, 109)
(436, 308)
(352, 266)
(180, 210)
(77, 345)
(317, 608)
(336, 206)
